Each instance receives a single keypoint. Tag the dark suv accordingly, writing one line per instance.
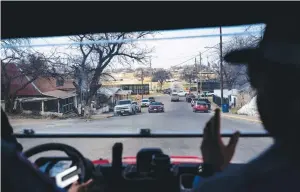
(151, 99)
(189, 97)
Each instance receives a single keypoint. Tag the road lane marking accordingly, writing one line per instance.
(242, 118)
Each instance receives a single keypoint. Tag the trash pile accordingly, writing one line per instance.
(249, 109)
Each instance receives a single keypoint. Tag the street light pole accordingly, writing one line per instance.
(142, 83)
(151, 74)
(221, 66)
(200, 63)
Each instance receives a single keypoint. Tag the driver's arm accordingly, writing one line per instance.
(20, 175)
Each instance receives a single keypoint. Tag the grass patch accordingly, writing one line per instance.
(128, 75)
(187, 85)
(166, 85)
(234, 110)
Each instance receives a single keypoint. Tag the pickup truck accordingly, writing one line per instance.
(125, 107)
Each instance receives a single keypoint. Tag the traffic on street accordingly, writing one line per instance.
(177, 117)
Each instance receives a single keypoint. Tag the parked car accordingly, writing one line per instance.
(174, 97)
(125, 107)
(137, 106)
(151, 99)
(193, 102)
(167, 91)
(189, 97)
(156, 107)
(200, 106)
(207, 94)
(182, 93)
(145, 103)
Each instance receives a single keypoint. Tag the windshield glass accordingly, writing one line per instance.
(124, 102)
(156, 103)
(74, 84)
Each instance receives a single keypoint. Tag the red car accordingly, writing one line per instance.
(201, 106)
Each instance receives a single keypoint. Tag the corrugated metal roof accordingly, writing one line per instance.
(42, 84)
(108, 91)
(60, 94)
(19, 80)
(124, 92)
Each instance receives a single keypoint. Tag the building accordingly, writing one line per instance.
(45, 95)
(112, 95)
(133, 88)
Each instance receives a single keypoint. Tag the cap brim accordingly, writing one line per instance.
(242, 56)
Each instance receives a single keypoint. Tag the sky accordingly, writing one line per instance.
(168, 52)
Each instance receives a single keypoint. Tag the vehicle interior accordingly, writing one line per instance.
(152, 169)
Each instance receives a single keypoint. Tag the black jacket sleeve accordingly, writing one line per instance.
(7, 132)
(19, 175)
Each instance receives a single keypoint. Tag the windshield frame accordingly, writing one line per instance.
(137, 135)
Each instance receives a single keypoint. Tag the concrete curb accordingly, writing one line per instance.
(102, 117)
(241, 118)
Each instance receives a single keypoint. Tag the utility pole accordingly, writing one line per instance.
(221, 66)
(142, 83)
(200, 71)
(196, 70)
(151, 73)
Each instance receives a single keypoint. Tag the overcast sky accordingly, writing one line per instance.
(168, 52)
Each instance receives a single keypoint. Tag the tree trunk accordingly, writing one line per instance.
(88, 109)
(9, 103)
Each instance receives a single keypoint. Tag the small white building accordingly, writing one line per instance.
(231, 95)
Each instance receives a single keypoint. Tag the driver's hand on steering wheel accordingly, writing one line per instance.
(76, 187)
(213, 150)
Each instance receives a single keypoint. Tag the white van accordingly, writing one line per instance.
(174, 97)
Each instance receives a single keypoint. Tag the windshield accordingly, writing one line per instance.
(201, 103)
(75, 84)
(156, 103)
(124, 102)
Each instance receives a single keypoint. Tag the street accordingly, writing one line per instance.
(178, 117)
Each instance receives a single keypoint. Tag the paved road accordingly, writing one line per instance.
(178, 117)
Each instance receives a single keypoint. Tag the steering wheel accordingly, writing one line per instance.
(73, 153)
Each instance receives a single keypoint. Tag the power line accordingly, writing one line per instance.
(126, 40)
(196, 55)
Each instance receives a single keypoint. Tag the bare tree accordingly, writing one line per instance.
(21, 64)
(188, 74)
(95, 58)
(23, 72)
(138, 72)
(160, 76)
(235, 75)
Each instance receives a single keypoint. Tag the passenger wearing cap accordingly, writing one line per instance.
(274, 70)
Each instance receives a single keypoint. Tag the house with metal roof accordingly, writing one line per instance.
(45, 95)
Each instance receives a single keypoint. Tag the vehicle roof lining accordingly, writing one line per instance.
(72, 18)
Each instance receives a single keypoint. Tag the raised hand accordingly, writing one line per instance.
(213, 149)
